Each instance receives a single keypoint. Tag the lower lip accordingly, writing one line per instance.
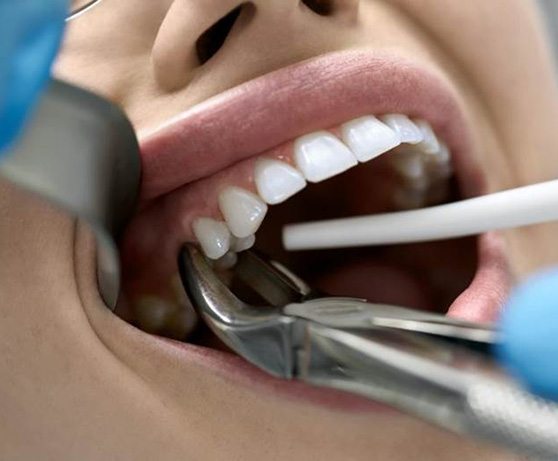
(234, 368)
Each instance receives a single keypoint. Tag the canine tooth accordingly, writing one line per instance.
(408, 132)
(321, 156)
(243, 211)
(213, 236)
(277, 181)
(368, 137)
(243, 244)
(429, 143)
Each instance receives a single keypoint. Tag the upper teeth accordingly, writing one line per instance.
(243, 211)
(408, 132)
(277, 181)
(368, 138)
(319, 156)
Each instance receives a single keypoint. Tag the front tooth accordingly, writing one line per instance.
(321, 156)
(213, 236)
(243, 244)
(429, 143)
(243, 211)
(277, 181)
(408, 132)
(369, 138)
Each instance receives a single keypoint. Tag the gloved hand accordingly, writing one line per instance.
(530, 334)
(30, 33)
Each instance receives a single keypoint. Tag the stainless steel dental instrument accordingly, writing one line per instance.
(523, 206)
(81, 153)
(428, 365)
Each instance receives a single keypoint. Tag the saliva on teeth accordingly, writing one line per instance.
(422, 161)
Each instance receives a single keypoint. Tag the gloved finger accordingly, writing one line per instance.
(30, 34)
(529, 326)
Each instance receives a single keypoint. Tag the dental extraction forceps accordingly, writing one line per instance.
(428, 365)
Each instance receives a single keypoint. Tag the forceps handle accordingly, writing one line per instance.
(437, 382)
(513, 418)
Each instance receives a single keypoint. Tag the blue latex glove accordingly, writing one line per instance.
(30, 33)
(530, 334)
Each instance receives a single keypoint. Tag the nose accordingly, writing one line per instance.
(197, 33)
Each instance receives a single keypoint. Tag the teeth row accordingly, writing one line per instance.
(419, 157)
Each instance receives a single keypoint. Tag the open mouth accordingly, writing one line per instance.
(340, 135)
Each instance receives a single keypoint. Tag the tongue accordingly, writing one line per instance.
(376, 282)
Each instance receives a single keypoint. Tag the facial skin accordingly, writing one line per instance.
(79, 383)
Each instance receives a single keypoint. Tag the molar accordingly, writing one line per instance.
(277, 181)
(243, 211)
(439, 163)
(408, 132)
(409, 164)
(368, 137)
(321, 156)
(213, 236)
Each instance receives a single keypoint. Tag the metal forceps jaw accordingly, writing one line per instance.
(260, 335)
(347, 344)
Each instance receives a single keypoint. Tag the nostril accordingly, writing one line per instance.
(211, 41)
(321, 7)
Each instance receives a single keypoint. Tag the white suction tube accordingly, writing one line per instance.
(519, 207)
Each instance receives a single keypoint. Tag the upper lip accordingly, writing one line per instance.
(318, 93)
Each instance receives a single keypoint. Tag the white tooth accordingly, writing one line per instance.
(226, 262)
(243, 244)
(410, 165)
(213, 236)
(429, 143)
(439, 163)
(321, 156)
(404, 127)
(243, 211)
(277, 181)
(442, 155)
(369, 138)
